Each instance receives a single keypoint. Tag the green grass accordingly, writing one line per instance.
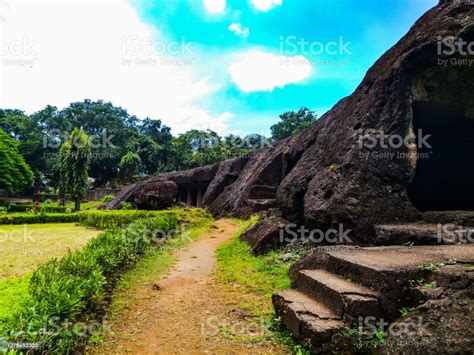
(255, 278)
(23, 247)
(12, 295)
(249, 282)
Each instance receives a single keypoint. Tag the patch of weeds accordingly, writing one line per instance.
(283, 336)
(405, 311)
(364, 340)
(431, 267)
(421, 282)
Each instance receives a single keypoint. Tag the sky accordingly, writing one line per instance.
(232, 66)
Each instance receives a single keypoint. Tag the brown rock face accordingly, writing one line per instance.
(156, 195)
(382, 155)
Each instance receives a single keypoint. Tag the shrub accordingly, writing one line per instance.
(63, 291)
(125, 206)
(30, 218)
(107, 198)
(112, 219)
(45, 208)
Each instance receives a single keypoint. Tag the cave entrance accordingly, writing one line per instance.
(444, 176)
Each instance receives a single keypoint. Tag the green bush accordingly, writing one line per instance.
(43, 207)
(113, 219)
(125, 206)
(30, 218)
(73, 288)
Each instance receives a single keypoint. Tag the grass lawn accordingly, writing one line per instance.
(23, 247)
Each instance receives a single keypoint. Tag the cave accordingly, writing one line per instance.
(444, 175)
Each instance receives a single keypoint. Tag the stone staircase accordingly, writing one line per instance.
(332, 287)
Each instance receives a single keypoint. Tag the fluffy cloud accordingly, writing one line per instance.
(239, 30)
(265, 5)
(260, 71)
(215, 6)
(64, 52)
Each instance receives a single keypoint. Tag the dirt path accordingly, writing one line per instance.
(187, 314)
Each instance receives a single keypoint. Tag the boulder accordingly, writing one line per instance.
(266, 235)
(155, 195)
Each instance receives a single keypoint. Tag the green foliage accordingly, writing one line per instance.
(15, 174)
(292, 122)
(107, 198)
(72, 288)
(129, 165)
(114, 219)
(125, 206)
(32, 218)
(405, 311)
(76, 155)
(49, 208)
(431, 267)
(363, 340)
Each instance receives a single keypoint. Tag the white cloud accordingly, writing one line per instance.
(265, 5)
(260, 71)
(78, 53)
(239, 30)
(215, 6)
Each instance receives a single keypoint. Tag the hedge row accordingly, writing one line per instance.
(45, 208)
(31, 218)
(113, 219)
(73, 288)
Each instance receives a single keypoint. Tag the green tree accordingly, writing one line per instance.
(15, 174)
(129, 165)
(76, 156)
(292, 122)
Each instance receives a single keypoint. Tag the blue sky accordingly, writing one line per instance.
(229, 65)
(371, 27)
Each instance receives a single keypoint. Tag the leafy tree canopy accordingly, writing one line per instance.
(292, 122)
(15, 174)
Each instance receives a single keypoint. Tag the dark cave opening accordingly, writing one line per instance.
(444, 177)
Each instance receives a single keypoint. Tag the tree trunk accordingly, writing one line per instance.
(77, 205)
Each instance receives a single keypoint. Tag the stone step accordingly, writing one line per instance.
(463, 218)
(306, 318)
(343, 297)
(422, 234)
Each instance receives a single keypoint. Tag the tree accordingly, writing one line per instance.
(76, 156)
(292, 123)
(15, 174)
(129, 165)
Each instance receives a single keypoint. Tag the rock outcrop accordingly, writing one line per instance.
(343, 169)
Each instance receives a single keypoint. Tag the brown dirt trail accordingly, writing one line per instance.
(188, 313)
